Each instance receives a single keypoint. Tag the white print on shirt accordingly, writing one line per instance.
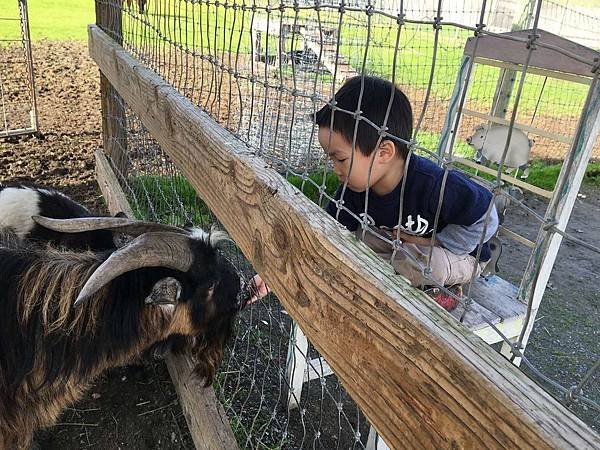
(422, 224)
(370, 221)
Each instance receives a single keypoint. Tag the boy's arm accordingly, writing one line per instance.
(464, 211)
(463, 239)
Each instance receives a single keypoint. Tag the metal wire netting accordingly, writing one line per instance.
(262, 70)
(18, 110)
(253, 383)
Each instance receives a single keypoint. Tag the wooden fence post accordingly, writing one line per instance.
(114, 119)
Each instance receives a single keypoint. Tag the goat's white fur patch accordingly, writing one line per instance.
(17, 205)
(199, 234)
(213, 238)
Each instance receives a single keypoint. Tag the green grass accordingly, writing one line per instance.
(312, 191)
(216, 30)
(56, 20)
(159, 198)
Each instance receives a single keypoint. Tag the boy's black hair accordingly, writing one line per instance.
(374, 104)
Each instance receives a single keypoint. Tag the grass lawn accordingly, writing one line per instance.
(216, 30)
(56, 20)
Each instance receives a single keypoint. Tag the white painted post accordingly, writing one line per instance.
(451, 126)
(374, 441)
(569, 181)
(297, 357)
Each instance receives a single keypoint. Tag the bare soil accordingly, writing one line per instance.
(129, 408)
(136, 407)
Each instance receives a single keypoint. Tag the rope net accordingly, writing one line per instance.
(262, 70)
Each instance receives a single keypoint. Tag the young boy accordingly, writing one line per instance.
(465, 203)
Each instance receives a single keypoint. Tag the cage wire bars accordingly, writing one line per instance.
(262, 69)
(18, 106)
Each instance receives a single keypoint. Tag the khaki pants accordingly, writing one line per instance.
(447, 268)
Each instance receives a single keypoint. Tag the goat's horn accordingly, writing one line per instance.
(118, 224)
(154, 249)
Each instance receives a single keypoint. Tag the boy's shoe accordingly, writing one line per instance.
(445, 300)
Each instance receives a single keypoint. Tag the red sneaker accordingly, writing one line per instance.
(445, 300)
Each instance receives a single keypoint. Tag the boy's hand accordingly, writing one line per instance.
(411, 239)
(258, 288)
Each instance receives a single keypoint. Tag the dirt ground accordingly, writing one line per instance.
(130, 408)
(136, 407)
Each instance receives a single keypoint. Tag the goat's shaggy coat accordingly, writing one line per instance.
(50, 351)
(20, 201)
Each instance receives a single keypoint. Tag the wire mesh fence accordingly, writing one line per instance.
(253, 383)
(18, 109)
(263, 70)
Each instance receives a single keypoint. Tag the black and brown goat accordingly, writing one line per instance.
(51, 350)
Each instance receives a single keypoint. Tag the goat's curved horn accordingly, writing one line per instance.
(118, 224)
(154, 249)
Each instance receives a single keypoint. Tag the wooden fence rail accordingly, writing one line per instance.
(422, 379)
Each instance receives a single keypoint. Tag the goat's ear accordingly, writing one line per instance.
(121, 214)
(165, 291)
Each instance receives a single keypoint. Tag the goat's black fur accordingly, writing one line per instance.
(47, 359)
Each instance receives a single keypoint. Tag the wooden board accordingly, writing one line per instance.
(515, 52)
(204, 414)
(114, 135)
(496, 300)
(527, 128)
(498, 296)
(504, 177)
(422, 379)
(534, 71)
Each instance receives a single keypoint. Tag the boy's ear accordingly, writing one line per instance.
(386, 150)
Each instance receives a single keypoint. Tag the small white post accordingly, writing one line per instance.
(451, 125)
(296, 365)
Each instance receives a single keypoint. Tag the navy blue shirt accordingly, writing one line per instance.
(465, 202)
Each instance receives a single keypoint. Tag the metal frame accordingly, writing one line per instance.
(562, 198)
(33, 112)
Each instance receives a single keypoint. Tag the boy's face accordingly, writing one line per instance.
(339, 151)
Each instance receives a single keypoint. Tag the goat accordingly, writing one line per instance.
(19, 202)
(51, 350)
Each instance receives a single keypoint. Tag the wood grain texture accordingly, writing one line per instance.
(205, 416)
(422, 379)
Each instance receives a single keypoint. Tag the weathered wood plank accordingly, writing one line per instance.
(422, 379)
(505, 177)
(527, 128)
(206, 419)
(502, 49)
(110, 186)
(499, 296)
(205, 416)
